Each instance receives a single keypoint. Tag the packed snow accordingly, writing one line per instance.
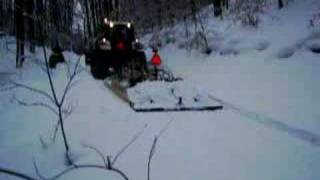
(267, 79)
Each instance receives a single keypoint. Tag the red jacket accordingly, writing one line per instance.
(156, 60)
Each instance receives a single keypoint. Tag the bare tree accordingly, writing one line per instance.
(247, 12)
(199, 19)
(108, 161)
(280, 4)
(20, 33)
(57, 104)
(30, 25)
(1, 14)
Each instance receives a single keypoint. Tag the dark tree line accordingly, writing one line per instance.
(57, 17)
(96, 10)
(69, 27)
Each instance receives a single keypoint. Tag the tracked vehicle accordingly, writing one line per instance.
(116, 51)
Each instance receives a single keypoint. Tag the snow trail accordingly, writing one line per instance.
(307, 136)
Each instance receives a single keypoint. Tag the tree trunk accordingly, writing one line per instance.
(217, 7)
(39, 9)
(68, 16)
(30, 25)
(1, 14)
(117, 9)
(159, 13)
(280, 4)
(20, 36)
(93, 17)
(226, 4)
(88, 22)
(100, 14)
(193, 7)
(55, 26)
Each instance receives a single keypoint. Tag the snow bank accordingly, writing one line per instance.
(207, 145)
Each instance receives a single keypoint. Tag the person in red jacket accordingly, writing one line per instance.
(156, 61)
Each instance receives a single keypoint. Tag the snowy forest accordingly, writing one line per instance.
(72, 23)
(159, 89)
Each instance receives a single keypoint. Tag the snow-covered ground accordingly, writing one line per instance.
(269, 129)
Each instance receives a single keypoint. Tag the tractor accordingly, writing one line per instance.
(117, 52)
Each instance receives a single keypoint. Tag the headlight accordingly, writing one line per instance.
(111, 24)
(129, 25)
(105, 20)
(104, 44)
(137, 45)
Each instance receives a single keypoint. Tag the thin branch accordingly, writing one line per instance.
(56, 129)
(74, 83)
(32, 89)
(37, 170)
(44, 145)
(16, 174)
(75, 167)
(119, 172)
(53, 91)
(35, 104)
(67, 113)
(107, 161)
(128, 144)
(67, 62)
(86, 166)
(68, 86)
(99, 153)
(153, 147)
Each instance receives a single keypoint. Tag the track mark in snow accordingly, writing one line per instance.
(286, 52)
(307, 136)
(5, 77)
(314, 46)
(263, 45)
